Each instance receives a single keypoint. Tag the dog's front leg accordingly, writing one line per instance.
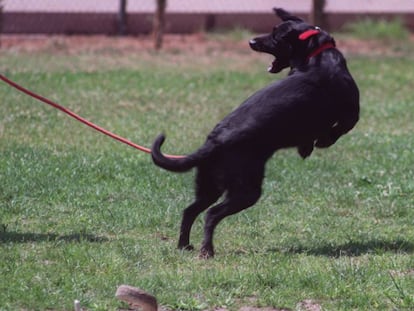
(305, 150)
(331, 136)
(338, 129)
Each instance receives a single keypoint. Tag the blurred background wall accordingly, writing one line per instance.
(181, 16)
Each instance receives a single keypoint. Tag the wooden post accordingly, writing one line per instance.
(318, 15)
(159, 23)
(1, 19)
(122, 20)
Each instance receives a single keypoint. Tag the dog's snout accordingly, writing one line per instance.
(254, 43)
(260, 44)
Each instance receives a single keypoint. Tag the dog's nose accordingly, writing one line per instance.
(252, 41)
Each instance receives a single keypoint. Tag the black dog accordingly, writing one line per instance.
(312, 107)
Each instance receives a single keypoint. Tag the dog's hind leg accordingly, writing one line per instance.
(234, 202)
(189, 216)
(207, 193)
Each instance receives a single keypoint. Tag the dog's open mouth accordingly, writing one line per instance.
(277, 65)
(273, 68)
(281, 55)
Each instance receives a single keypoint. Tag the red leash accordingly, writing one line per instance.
(79, 118)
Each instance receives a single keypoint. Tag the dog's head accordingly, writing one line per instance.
(290, 42)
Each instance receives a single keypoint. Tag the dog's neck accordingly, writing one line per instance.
(323, 47)
(304, 59)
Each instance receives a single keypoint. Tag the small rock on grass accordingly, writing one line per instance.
(136, 297)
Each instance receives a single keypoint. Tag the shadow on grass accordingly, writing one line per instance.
(17, 237)
(353, 248)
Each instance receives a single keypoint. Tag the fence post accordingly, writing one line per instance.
(1, 19)
(122, 22)
(318, 13)
(159, 23)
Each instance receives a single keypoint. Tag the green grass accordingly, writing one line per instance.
(381, 29)
(235, 34)
(81, 214)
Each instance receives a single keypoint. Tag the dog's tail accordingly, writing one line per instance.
(173, 164)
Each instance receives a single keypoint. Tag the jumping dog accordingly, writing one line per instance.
(313, 106)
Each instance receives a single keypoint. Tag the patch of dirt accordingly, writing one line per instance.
(355, 46)
(261, 309)
(195, 43)
(199, 42)
(396, 273)
(308, 305)
(139, 299)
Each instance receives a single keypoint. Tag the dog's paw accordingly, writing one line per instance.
(206, 253)
(187, 247)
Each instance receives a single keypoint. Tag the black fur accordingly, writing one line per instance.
(312, 107)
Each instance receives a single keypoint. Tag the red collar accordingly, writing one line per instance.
(328, 45)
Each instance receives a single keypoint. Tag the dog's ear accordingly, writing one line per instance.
(286, 16)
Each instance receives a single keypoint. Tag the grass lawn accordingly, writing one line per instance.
(81, 214)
